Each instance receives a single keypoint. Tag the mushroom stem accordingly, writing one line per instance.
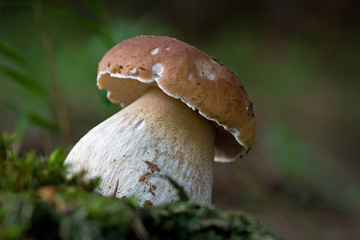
(155, 136)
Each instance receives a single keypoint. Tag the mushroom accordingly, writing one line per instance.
(182, 110)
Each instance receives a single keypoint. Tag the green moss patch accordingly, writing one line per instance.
(37, 201)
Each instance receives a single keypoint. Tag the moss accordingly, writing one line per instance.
(37, 201)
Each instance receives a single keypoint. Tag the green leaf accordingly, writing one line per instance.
(57, 156)
(26, 82)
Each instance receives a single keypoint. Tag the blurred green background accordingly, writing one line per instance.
(298, 60)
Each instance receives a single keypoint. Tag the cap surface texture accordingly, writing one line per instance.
(183, 72)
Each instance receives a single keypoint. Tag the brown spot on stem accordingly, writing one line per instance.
(143, 177)
(151, 189)
(152, 166)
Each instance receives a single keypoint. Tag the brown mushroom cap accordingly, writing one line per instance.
(184, 72)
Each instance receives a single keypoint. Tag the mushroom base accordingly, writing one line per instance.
(155, 136)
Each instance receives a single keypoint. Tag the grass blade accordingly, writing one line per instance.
(38, 120)
(7, 51)
(97, 7)
(90, 25)
(26, 82)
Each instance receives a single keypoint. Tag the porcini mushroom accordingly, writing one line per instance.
(182, 110)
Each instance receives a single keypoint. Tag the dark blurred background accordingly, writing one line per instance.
(298, 60)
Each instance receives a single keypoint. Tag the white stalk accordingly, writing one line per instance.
(156, 135)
